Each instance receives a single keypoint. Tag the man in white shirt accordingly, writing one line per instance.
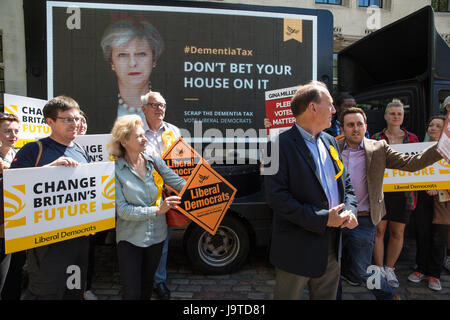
(154, 108)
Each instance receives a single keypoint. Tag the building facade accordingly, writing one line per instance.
(353, 19)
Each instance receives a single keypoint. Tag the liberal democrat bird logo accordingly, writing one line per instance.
(202, 178)
(109, 192)
(179, 152)
(13, 206)
(446, 165)
(291, 31)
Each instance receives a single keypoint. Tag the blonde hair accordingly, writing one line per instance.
(121, 130)
(395, 103)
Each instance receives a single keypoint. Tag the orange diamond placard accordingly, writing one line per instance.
(181, 158)
(206, 197)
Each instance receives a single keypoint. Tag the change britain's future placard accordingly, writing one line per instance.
(29, 111)
(96, 146)
(51, 204)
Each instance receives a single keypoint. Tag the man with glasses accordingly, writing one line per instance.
(47, 266)
(154, 108)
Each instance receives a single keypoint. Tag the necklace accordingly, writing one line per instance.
(395, 138)
(130, 108)
(126, 106)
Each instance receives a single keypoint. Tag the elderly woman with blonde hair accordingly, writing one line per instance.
(141, 226)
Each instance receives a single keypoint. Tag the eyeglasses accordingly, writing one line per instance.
(68, 120)
(156, 105)
(8, 116)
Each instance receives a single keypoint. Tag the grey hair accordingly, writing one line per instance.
(123, 31)
(146, 97)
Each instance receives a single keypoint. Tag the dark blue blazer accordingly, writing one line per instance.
(300, 236)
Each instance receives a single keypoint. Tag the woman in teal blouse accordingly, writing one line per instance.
(141, 226)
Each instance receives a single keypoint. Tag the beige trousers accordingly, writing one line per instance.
(290, 286)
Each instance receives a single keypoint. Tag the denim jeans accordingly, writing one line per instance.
(161, 272)
(359, 243)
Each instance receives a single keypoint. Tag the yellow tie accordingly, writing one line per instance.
(335, 156)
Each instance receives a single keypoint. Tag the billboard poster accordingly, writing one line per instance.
(211, 65)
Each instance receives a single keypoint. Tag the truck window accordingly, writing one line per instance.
(374, 109)
(442, 95)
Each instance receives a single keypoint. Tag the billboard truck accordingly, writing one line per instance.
(212, 63)
(220, 67)
(408, 60)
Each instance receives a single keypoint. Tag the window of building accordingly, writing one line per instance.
(368, 3)
(329, 1)
(441, 5)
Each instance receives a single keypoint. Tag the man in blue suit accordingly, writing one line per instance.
(312, 199)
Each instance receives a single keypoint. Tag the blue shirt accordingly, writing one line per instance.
(137, 221)
(52, 150)
(324, 163)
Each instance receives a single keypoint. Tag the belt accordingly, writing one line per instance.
(363, 214)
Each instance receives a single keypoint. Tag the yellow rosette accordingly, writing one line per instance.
(335, 156)
(168, 139)
(159, 182)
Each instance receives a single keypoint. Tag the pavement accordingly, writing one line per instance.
(254, 281)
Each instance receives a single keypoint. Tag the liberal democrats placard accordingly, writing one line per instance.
(436, 176)
(50, 204)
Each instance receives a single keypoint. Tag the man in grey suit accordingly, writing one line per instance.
(366, 160)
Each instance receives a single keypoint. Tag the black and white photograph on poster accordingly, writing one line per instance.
(210, 65)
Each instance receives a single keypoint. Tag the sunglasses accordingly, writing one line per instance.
(8, 116)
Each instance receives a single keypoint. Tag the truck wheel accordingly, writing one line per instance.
(223, 253)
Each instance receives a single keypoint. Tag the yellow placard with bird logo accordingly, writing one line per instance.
(29, 111)
(46, 205)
